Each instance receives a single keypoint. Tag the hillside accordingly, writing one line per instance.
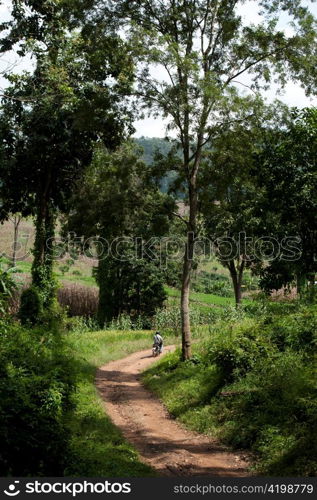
(151, 145)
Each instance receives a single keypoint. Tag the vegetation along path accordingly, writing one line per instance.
(160, 440)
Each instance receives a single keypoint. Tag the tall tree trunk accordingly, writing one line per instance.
(237, 289)
(185, 314)
(187, 269)
(42, 267)
(312, 288)
(39, 244)
(236, 286)
(300, 282)
(105, 282)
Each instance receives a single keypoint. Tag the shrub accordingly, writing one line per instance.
(53, 316)
(122, 322)
(252, 383)
(76, 272)
(80, 324)
(36, 384)
(297, 331)
(235, 352)
(276, 415)
(31, 306)
(169, 318)
(213, 283)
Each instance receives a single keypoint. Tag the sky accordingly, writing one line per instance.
(293, 94)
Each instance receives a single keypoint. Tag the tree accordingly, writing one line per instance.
(54, 116)
(287, 172)
(203, 49)
(132, 286)
(116, 206)
(231, 198)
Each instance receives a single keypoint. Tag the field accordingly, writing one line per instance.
(75, 275)
(66, 269)
(202, 299)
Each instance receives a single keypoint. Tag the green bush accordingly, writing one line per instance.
(297, 332)
(36, 384)
(236, 351)
(212, 283)
(274, 414)
(54, 316)
(31, 306)
(76, 272)
(169, 318)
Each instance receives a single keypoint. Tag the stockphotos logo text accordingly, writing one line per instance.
(73, 489)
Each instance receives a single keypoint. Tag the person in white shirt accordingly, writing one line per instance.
(158, 341)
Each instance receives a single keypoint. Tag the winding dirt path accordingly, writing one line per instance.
(161, 441)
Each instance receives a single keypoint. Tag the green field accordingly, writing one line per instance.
(204, 299)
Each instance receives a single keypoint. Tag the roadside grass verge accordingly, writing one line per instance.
(97, 447)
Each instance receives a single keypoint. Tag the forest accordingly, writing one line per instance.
(207, 235)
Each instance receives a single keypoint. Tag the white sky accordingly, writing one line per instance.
(293, 94)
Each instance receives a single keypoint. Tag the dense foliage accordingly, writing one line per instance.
(51, 117)
(36, 384)
(286, 168)
(120, 204)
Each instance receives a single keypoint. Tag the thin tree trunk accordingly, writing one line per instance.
(312, 288)
(185, 314)
(237, 293)
(42, 266)
(300, 283)
(236, 287)
(187, 268)
(237, 276)
(39, 244)
(16, 223)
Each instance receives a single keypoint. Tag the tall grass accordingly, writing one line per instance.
(79, 300)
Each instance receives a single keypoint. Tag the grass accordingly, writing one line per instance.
(82, 280)
(97, 446)
(207, 299)
(83, 277)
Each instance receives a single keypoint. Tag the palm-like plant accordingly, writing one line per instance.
(7, 285)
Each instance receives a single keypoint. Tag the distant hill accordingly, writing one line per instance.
(150, 146)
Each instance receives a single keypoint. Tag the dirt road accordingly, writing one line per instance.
(161, 441)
